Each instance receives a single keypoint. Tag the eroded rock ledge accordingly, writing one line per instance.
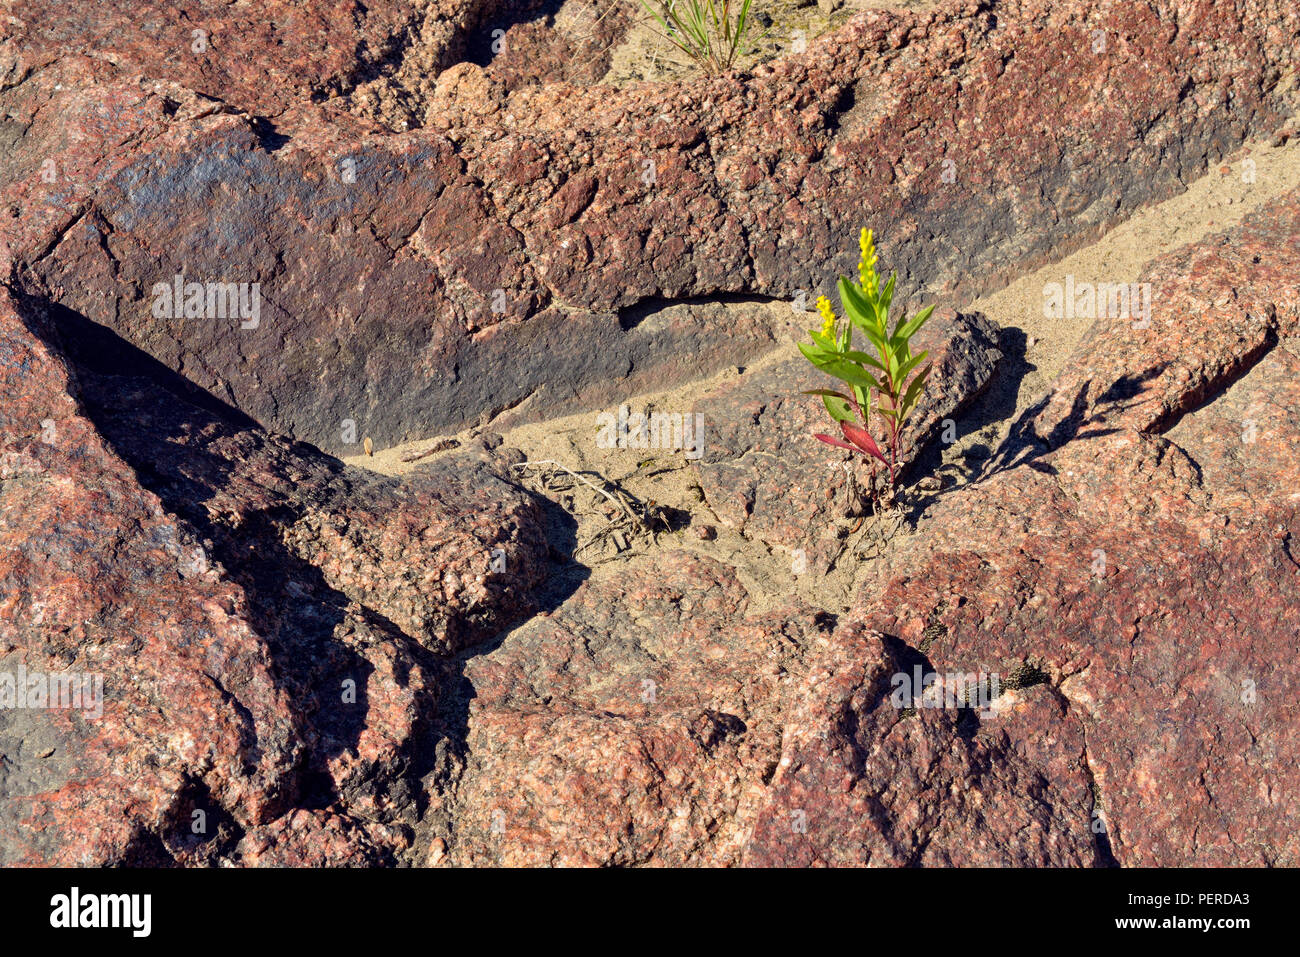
(412, 283)
(336, 668)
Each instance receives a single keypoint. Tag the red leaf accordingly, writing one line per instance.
(836, 442)
(862, 439)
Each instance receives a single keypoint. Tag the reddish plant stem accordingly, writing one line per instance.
(893, 431)
(893, 455)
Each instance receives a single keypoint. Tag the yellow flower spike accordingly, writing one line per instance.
(827, 314)
(867, 278)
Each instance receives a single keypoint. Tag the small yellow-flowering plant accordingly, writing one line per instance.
(877, 380)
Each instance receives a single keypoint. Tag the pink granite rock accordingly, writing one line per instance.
(415, 282)
(167, 548)
(307, 665)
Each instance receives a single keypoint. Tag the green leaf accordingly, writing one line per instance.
(655, 13)
(909, 329)
(864, 401)
(741, 22)
(886, 297)
(862, 357)
(848, 372)
(840, 395)
(891, 364)
(914, 390)
(826, 342)
(861, 310)
(906, 368)
(877, 340)
(840, 409)
(813, 353)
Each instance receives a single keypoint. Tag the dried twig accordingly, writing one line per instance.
(626, 525)
(441, 445)
(616, 500)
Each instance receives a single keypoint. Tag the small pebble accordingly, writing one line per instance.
(46, 753)
(705, 533)
(437, 851)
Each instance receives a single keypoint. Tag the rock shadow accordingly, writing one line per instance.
(164, 427)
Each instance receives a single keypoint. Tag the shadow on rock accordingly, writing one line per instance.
(162, 425)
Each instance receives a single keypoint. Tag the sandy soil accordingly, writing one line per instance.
(663, 486)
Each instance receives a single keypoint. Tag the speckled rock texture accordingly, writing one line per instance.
(862, 782)
(1142, 557)
(652, 702)
(496, 255)
(305, 664)
(1217, 307)
(268, 626)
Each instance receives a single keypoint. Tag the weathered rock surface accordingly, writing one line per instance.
(1217, 308)
(320, 839)
(1153, 578)
(653, 721)
(638, 724)
(863, 782)
(265, 60)
(326, 664)
(1165, 631)
(1244, 443)
(415, 282)
(267, 625)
